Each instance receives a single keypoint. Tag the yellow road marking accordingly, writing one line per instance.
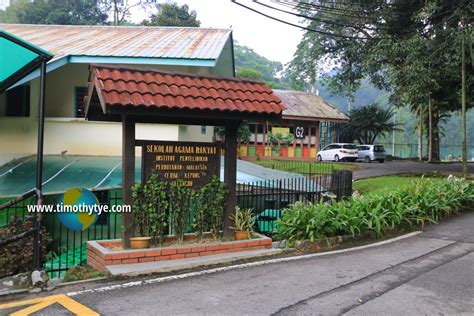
(43, 302)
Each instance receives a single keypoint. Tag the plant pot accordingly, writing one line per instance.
(284, 152)
(239, 235)
(140, 242)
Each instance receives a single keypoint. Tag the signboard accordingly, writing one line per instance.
(195, 164)
(280, 130)
(299, 132)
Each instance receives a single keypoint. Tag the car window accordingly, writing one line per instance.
(349, 146)
(326, 148)
(379, 148)
(363, 148)
(336, 146)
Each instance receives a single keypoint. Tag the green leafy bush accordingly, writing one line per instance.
(158, 205)
(150, 208)
(181, 201)
(417, 204)
(209, 204)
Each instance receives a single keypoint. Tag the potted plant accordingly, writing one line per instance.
(244, 220)
(142, 229)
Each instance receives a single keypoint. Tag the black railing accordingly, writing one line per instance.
(67, 247)
(270, 199)
(306, 168)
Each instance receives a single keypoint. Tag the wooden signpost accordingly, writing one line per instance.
(193, 164)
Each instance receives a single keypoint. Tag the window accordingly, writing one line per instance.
(18, 101)
(379, 149)
(203, 130)
(79, 95)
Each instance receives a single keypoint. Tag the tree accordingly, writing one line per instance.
(409, 48)
(171, 14)
(121, 9)
(369, 122)
(250, 73)
(246, 57)
(75, 12)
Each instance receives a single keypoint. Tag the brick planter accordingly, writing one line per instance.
(99, 256)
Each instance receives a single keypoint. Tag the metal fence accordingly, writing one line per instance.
(67, 247)
(268, 199)
(306, 168)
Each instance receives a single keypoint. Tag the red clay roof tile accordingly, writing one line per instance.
(134, 88)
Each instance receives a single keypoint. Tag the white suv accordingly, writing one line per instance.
(337, 152)
(369, 153)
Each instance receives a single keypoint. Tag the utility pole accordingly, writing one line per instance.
(430, 131)
(463, 107)
(420, 135)
(393, 133)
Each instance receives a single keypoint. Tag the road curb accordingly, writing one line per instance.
(238, 266)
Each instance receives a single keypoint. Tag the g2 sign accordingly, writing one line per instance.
(299, 132)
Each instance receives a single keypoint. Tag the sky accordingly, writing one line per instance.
(274, 40)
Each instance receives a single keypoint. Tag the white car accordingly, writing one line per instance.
(337, 152)
(369, 153)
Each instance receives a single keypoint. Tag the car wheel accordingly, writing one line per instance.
(336, 158)
(319, 158)
(382, 160)
(367, 159)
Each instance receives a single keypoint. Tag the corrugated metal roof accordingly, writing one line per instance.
(123, 41)
(302, 104)
(132, 87)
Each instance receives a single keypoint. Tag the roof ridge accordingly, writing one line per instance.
(116, 26)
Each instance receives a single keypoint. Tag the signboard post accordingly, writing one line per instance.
(193, 164)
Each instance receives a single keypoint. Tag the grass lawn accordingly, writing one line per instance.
(306, 166)
(385, 183)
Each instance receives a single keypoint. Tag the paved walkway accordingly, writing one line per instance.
(431, 273)
(398, 167)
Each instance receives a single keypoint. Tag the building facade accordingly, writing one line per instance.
(312, 122)
(190, 50)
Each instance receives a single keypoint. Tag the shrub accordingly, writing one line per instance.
(158, 205)
(180, 199)
(209, 204)
(422, 202)
(151, 208)
(17, 256)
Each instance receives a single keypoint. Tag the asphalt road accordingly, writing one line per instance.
(375, 169)
(431, 273)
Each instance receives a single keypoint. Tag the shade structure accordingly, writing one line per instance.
(18, 58)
